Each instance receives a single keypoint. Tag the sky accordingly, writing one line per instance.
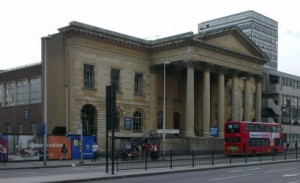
(25, 22)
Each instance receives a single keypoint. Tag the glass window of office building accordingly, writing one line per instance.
(35, 90)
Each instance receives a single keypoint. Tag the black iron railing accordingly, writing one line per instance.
(170, 159)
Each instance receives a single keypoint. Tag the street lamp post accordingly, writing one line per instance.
(45, 98)
(164, 110)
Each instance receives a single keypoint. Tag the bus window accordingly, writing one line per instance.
(232, 128)
(252, 127)
(232, 139)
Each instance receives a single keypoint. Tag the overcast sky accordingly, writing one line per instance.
(24, 22)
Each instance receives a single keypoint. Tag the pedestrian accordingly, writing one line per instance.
(287, 145)
(1, 155)
(124, 152)
(4, 154)
(154, 154)
(64, 152)
(95, 148)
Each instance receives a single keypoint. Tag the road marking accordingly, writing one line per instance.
(234, 171)
(26, 172)
(297, 181)
(280, 170)
(231, 177)
(291, 175)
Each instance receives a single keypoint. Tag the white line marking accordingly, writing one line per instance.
(237, 176)
(234, 171)
(280, 170)
(291, 175)
(26, 172)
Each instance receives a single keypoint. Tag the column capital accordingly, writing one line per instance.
(258, 77)
(189, 63)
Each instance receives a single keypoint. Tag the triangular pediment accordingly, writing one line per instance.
(233, 39)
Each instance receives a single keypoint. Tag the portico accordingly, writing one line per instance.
(220, 80)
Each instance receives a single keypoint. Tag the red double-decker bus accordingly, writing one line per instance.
(251, 138)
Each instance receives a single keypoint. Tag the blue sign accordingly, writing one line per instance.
(42, 129)
(213, 132)
(127, 123)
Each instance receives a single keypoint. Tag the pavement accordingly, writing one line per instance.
(93, 176)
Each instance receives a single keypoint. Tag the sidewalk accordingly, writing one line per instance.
(86, 177)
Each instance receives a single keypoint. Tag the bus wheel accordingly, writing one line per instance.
(253, 153)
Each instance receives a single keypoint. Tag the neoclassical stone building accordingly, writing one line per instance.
(211, 77)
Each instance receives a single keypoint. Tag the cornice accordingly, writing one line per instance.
(185, 39)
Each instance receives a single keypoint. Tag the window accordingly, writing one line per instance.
(137, 121)
(21, 92)
(33, 128)
(9, 94)
(138, 83)
(35, 90)
(160, 120)
(232, 128)
(88, 76)
(7, 128)
(20, 128)
(115, 78)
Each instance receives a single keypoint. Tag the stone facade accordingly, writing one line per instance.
(209, 79)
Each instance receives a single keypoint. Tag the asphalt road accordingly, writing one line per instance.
(275, 173)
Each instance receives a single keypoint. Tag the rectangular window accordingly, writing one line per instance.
(9, 94)
(35, 90)
(88, 76)
(21, 92)
(33, 128)
(138, 83)
(115, 78)
(20, 128)
(7, 128)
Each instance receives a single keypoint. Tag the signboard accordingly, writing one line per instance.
(264, 135)
(213, 132)
(42, 129)
(127, 123)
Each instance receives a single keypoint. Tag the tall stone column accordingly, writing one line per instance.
(258, 99)
(234, 105)
(190, 99)
(153, 97)
(247, 98)
(221, 102)
(206, 101)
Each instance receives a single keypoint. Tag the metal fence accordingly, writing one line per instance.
(170, 159)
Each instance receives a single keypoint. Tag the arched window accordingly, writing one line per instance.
(160, 118)
(88, 117)
(137, 121)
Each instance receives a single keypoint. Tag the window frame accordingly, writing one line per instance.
(88, 75)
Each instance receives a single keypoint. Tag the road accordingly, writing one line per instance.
(275, 173)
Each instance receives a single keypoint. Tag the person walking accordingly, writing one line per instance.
(4, 154)
(95, 148)
(64, 152)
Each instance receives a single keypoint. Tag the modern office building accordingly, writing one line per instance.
(21, 100)
(263, 31)
(210, 78)
(281, 101)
